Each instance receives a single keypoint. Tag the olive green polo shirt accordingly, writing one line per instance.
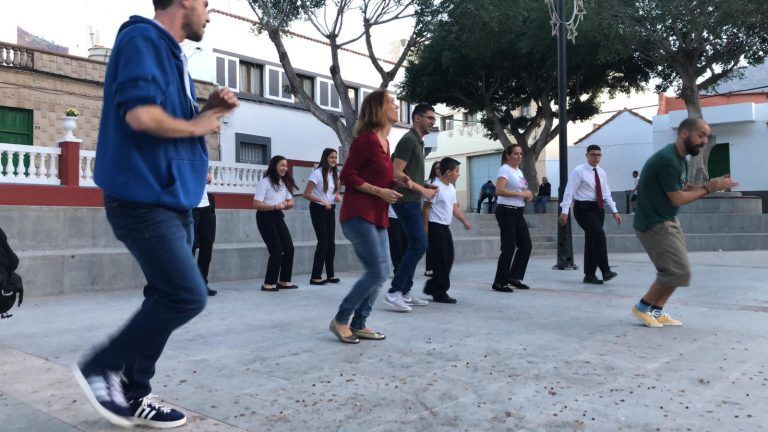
(410, 149)
(664, 172)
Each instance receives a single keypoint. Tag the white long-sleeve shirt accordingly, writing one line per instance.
(581, 187)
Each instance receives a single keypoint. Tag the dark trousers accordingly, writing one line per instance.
(591, 218)
(275, 233)
(160, 240)
(397, 242)
(515, 245)
(409, 214)
(205, 235)
(490, 203)
(441, 244)
(324, 223)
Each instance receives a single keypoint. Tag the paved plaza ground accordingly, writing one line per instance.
(563, 356)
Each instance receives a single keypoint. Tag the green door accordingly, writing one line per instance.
(15, 128)
(719, 160)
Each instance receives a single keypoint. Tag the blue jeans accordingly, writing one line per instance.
(371, 245)
(160, 239)
(412, 225)
(540, 204)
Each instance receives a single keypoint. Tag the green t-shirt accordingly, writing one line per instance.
(664, 172)
(410, 148)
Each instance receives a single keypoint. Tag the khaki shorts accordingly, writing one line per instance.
(665, 245)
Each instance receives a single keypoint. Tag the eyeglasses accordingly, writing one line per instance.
(595, 155)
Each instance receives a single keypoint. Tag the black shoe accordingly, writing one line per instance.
(610, 275)
(333, 280)
(149, 412)
(443, 298)
(592, 279)
(519, 285)
(502, 288)
(314, 282)
(212, 292)
(428, 291)
(273, 289)
(104, 391)
(291, 286)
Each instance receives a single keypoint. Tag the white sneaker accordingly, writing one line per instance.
(413, 301)
(396, 301)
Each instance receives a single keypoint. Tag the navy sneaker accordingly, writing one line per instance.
(149, 412)
(105, 392)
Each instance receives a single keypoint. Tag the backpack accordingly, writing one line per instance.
(11, 286)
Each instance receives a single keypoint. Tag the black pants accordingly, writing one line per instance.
(205, 235)
(441, 244)
(324, 223)
(275, 233)
(515, 245)
(397, 242)
(591, 218)
(490, 203)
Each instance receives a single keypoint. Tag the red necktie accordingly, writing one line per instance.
(598, 189)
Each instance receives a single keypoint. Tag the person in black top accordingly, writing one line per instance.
(545, 192)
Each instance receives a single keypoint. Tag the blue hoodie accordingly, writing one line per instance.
(146, 68)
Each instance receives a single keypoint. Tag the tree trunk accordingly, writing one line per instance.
(698, 174)
(529, 171)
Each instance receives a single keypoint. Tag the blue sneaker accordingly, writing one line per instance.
(105, 392)
(149, 412)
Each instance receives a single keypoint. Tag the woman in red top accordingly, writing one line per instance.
(368, 175)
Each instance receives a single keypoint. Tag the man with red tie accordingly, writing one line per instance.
(588, 190)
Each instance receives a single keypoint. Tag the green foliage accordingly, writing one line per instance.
(499, 55)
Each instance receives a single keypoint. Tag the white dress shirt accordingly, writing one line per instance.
(581, 187)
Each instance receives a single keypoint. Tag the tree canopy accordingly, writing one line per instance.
(496, 56)
(693, 45)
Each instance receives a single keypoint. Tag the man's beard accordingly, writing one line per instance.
(190, 32)
(691, 148)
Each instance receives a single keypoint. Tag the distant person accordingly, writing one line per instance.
(661, 191)
(512, 190)
(204, 216)
(408, 161)
(369, 177)
(440, 212)
(11, 286)
(151, 164)
(434, 176)
(487, 192)
(588, 190)
(545, 192)
(322, 192)
(274, 194)
(633, 194)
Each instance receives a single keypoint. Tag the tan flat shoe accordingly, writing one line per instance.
(344, 339)
(368, 335)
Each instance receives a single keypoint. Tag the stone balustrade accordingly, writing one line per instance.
(23, 164)
(16, 56)
(87, 164)
(234, 177)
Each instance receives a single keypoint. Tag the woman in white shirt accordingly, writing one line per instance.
(322, 192)
(274, 193)
(512, 191)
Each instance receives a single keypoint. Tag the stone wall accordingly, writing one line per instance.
(55, 82)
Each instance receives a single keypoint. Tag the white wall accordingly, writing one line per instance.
(626, 144)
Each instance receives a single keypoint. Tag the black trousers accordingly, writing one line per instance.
(591, 218)
(441, 244)
(205, 235)
(515, 245)
(324, 223)
(279, 243)
(490, 203)
(397, 242)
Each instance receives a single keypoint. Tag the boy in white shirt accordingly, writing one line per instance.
(438, 214)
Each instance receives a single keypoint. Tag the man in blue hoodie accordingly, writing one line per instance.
(151, 162)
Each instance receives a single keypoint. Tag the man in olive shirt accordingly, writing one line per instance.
(660, 193)
(408, 158)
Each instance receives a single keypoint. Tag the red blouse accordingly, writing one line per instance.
(367, 162)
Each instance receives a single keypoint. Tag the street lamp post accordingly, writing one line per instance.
(565, 30)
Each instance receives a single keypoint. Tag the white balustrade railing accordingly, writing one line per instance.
(29, 164)
(234, 177)
(87, 165)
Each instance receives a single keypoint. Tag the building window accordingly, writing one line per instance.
(308, 84)
(352, 92)
(277, 85)
(250, 78)
(226, 72)
(405, 112)
(252, 149)
(470, 119)
(328, 96)
(446, 123)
